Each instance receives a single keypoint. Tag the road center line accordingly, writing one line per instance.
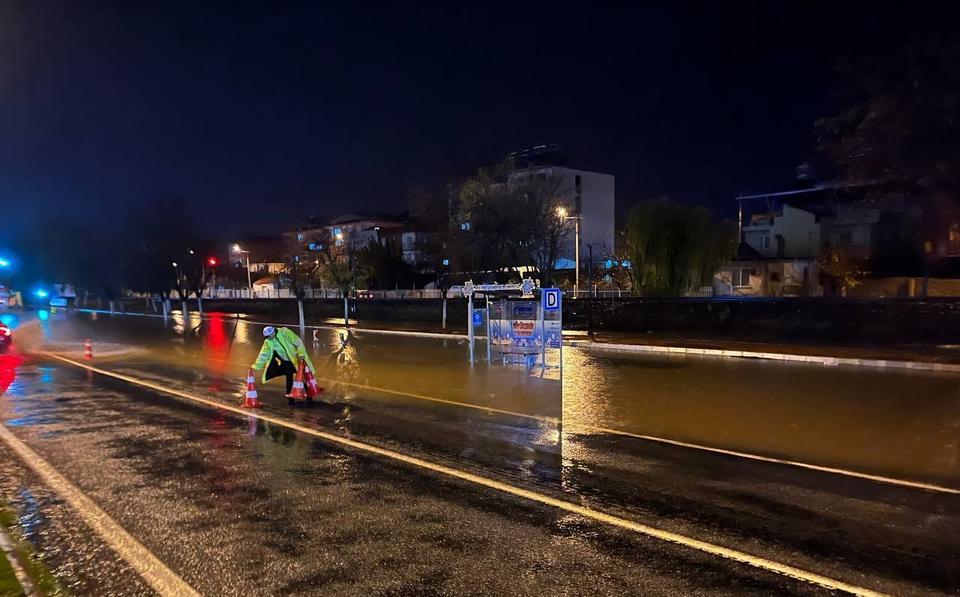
(596, 515)
(161, 578)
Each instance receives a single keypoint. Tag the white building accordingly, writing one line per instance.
(591, 196)
(789, 233)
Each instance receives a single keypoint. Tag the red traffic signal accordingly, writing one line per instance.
(212, 261)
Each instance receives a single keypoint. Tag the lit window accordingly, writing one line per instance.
(740, 277)
(465, 226)
(299, 236)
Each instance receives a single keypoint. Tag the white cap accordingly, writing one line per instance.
(269, 330)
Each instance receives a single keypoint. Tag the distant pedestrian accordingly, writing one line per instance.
(282, 349)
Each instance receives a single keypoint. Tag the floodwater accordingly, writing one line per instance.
(220, 496)
(877, 421)
(896, 423)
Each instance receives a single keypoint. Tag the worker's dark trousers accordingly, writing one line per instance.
(280, 367)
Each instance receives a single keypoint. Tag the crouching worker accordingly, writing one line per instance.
(282, 349)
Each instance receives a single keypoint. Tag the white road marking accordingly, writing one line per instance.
(161, 578)
(593, 429)
(670, 537)
(906, 483)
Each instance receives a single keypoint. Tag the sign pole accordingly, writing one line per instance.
(489, 353)
(470, 323)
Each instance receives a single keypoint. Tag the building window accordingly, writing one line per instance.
(576, 184)
(465, 226)
(299, 236)
(740, 277)
(765, 241)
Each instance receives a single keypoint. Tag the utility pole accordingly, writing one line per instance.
(590, 286)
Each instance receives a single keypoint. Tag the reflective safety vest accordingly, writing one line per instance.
(288, 347)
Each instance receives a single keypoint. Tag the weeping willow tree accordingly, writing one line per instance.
(673, 249)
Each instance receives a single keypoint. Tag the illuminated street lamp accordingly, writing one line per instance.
(4, 263)
(563, 215)
(237, 249)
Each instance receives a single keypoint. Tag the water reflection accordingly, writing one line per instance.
(885, 421)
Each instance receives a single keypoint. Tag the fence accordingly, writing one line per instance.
(315, 293)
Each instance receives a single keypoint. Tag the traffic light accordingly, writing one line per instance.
(212, 261)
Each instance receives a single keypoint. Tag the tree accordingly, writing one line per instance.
(383, 265)
(615, 268)
(436, 240)
(339, 265)
(510, 219)
(900, 121)
(898, 133)
(673, 249)
(156, 236)
(842, 268)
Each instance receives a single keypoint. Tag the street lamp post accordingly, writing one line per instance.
(562, 214)
(237, 249)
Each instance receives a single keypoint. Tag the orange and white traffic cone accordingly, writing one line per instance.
(251, 400)
(297, 392)
(313, 388)
(87, 349)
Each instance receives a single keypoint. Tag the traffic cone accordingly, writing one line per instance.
(251, 400)
(297, 392)
(87, 349)
(313, 388)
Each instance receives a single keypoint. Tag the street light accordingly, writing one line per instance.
(4, 263)
(237, 249)
(562, 214)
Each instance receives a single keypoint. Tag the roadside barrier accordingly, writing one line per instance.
(87, 349)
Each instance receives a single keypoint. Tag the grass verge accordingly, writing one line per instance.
(43, 580)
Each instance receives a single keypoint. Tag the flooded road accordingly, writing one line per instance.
(235, 504)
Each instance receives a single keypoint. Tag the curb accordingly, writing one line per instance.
(825, 361)
(10, 553)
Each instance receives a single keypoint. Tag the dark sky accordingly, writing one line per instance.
(261, 113)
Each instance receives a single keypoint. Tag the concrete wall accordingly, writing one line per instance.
(905, 287)
(781, 320)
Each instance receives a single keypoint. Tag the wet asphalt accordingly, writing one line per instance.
(239, 506)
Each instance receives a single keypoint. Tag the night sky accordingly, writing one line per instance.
(259, 114)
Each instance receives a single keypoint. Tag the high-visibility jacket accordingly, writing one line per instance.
(288, 347)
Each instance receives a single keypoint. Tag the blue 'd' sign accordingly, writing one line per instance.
(478, 317)
(551, 299)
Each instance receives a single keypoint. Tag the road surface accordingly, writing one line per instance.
(420, 475)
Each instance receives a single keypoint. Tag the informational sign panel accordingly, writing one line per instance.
(551, 299)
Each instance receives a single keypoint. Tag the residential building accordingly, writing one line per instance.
(750, 274)
(591, 196)
(356, 231)
(264, 254)
(776, 255)
(787, 232)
